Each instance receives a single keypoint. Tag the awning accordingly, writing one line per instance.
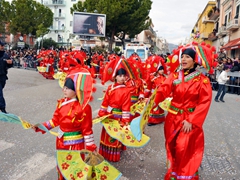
(234, 44)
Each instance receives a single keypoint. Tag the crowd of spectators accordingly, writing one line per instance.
(24, 58)
(233, 84)
(27, 58)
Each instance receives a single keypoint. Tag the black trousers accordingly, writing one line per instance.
(2, 100)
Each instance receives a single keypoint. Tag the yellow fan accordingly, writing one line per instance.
(61, 76)
(94, 167)
(138, 107)
(123, 135)
(41, 69)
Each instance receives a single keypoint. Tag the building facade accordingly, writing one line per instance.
(219, 25)
(62, 26)
(205, 24)
(61, 31)
(229, 36)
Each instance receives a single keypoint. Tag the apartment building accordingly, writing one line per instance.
(62, 26)
(203, 28)
(219, 25)
(229, 32)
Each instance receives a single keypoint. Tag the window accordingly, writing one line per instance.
(71, 23)
(225, 21)
(141, 53)
(129, 52)
(233, 52)
(237, 12)
(60, 12)
(229, 17)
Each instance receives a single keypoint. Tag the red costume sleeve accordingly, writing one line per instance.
(126, 105)
(104, 106)
(86, 128)
(205, 96)
(165, 89)
(52, 122)
(140, 89)
(147, 91)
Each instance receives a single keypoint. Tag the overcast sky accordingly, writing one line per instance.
(175, 19)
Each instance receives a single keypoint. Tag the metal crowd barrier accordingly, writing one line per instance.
(232, 85)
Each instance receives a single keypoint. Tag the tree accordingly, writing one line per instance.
(47, 43)
(41, 31)
(26, 15)
(123, 16)
(4, 16)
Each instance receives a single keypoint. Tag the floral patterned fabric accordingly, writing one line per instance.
(72, 167)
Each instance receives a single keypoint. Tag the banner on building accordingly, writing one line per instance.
(89, 24)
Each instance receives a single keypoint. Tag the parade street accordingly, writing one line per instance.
(26, 155)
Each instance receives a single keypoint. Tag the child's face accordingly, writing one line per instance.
(161, 71)
(120, 79)
(68, 93)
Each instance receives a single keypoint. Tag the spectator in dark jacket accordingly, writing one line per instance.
(233, 78)
(5, 63)
(235, 66)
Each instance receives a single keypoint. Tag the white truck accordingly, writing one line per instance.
(141, 49)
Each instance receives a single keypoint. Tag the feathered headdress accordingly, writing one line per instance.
(80, 56)
(83, 84)
(205, 55)
(153, 63)
(113, 66)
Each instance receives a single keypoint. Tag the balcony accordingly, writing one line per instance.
(59, 16)
(204, 35)
(54, 3)
(206, 20)
(57, 28)
(222, 31)
(150, 32)
(212, 36)
(215, 14)
(233, 25)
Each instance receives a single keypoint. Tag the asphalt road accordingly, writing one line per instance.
(26, 155)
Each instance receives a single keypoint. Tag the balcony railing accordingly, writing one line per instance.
(233, 24)
(205, 20)
(215, 14)
(59, 15)
(222, 31)
(54, 3)
(57, 28)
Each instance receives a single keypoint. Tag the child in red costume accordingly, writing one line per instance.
(73, 115)
(157, 115)
(117, 101)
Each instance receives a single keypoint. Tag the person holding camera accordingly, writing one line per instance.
(5, 63)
